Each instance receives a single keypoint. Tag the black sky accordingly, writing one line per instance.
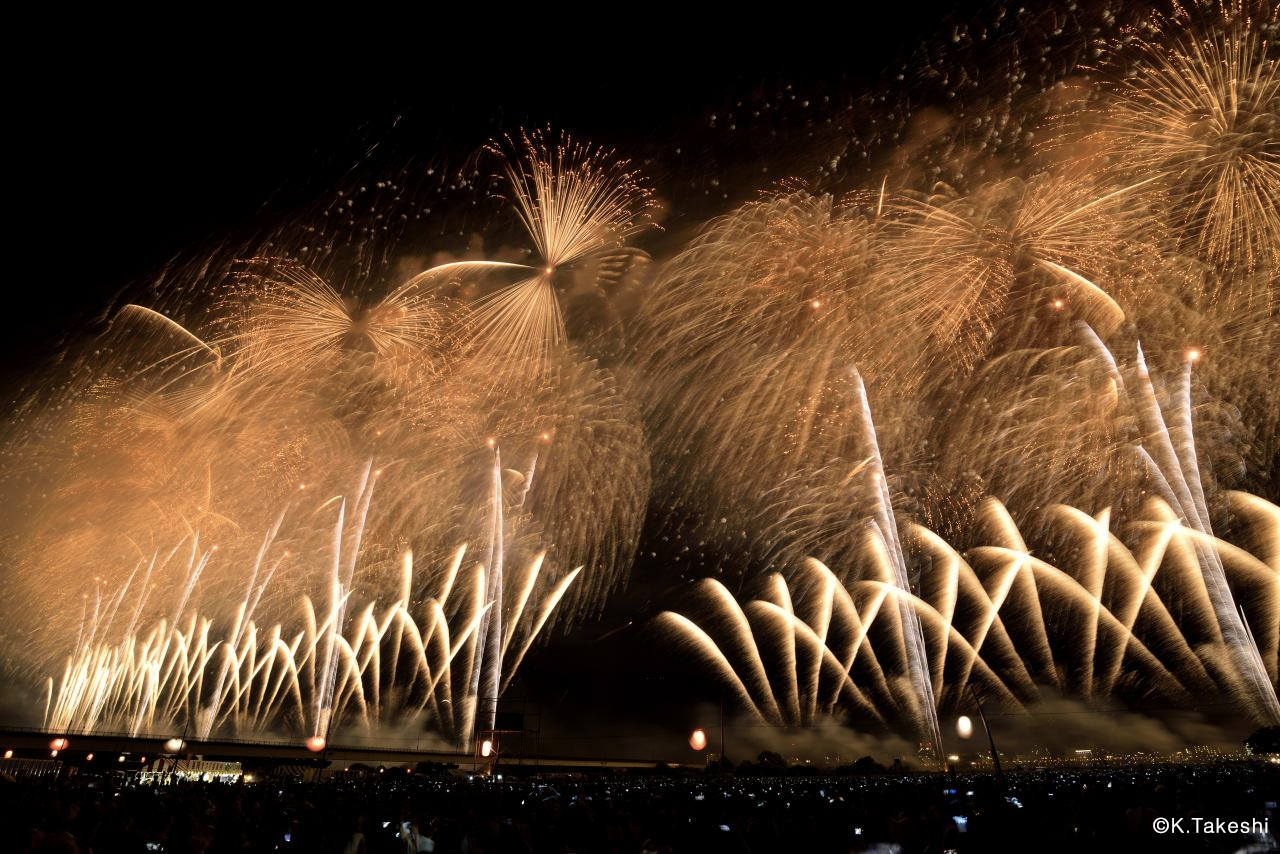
(131, 139)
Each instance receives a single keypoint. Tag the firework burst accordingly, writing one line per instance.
(577, 203)
(1069, 347)
(1191, 104)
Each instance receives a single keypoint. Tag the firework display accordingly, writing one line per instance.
(994, 412)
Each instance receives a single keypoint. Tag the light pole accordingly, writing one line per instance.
(995, 755)
(723, 758)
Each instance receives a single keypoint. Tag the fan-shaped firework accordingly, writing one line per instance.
(979, 320)
(288, 416)
(407, 664)
(1214, 650)
(1124, 616)
(287, 395)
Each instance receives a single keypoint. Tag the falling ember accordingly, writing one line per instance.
(242, 467)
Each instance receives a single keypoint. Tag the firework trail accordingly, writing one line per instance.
(409, 664)
(1080, 181)
(886, 527)
(287, 387)
(1171, 458)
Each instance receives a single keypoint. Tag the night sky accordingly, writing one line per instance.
(127, 148)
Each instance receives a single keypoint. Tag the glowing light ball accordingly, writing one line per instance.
(698, 740)
(59, 744)
(173, 745)
(316, 743)
(486, 747)
(964, 726)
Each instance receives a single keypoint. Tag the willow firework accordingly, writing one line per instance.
(1055, 288)
(290, 402)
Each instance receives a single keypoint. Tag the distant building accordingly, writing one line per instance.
(168, 769)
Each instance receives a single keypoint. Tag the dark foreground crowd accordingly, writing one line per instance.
(1049, 811)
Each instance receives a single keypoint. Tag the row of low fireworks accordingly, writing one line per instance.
(976, 436)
